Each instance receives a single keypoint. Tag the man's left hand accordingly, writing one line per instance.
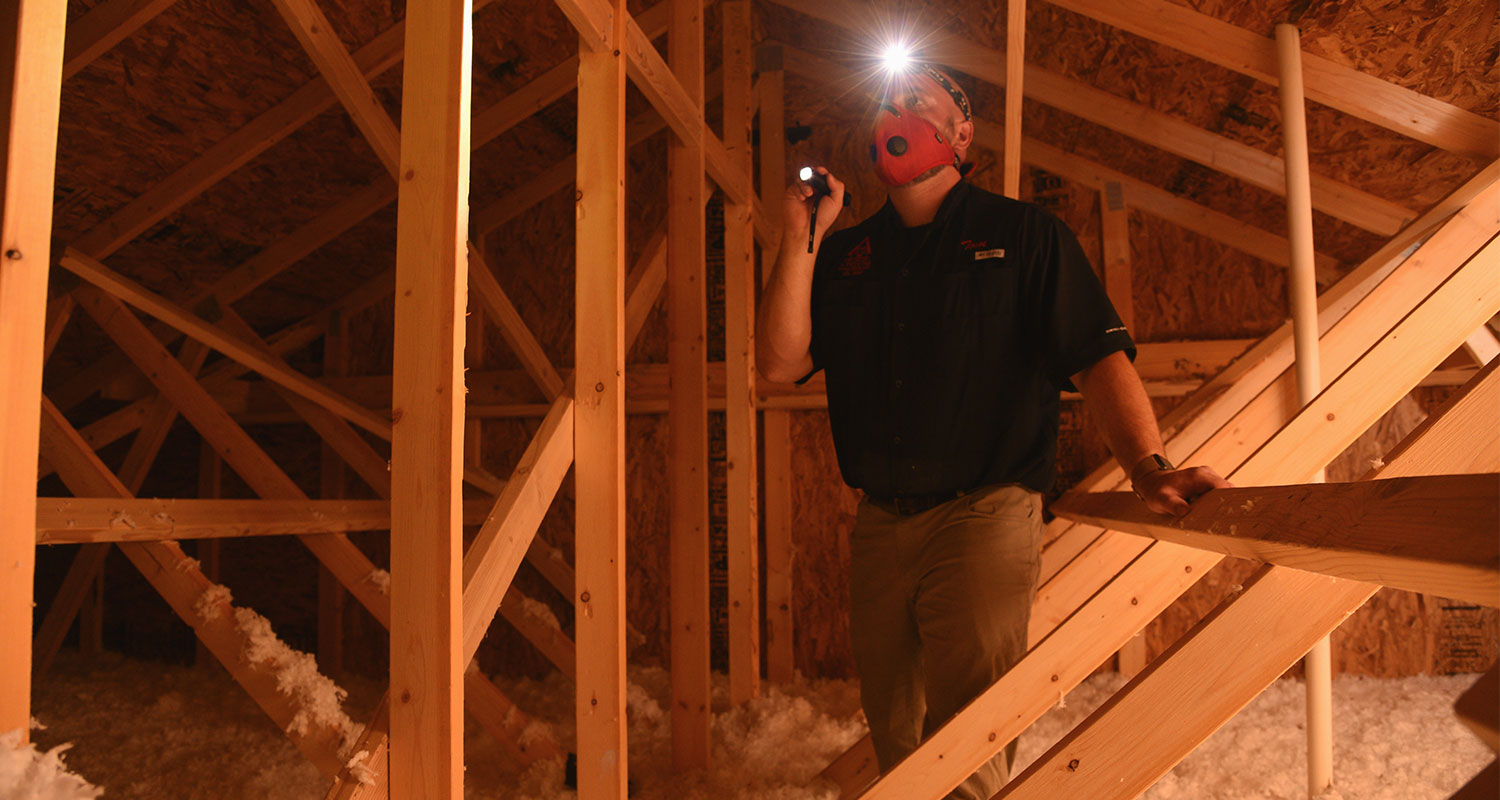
(1172, 491)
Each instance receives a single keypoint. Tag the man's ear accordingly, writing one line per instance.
(963, 136)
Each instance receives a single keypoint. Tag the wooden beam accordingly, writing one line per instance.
(776, 487)
(1269, 247)
(366, 775)
(81, 520)
(1114, 236)
(228, 439)
(1482, 345)
(105, 26)
(504, 314)
(687, 402)
(31, 46)
(179, 581)
(1246, 643)
(427, 663)
(344, 76)
(1180, 211)
(506, 535)
(232, 346)
(1152, 581)
(1370, 532)
(1142, 123)
(1332, 84)
(1015, 68)
(599, 426)
(1479, 708)
(739, 365)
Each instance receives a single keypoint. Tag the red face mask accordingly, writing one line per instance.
(905, 146)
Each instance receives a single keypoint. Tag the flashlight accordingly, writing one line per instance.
(819, 184)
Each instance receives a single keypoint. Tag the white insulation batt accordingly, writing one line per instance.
(150, 731)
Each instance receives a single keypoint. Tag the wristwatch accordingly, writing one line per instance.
(1156, 462)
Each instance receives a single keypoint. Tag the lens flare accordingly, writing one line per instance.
(896, 58)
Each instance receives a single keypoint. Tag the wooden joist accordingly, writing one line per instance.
(776, 445)
(1479, 708)
(1223, 401)
(1163, 570)
(179, 581)
(1015, 69)
(1139, 122)
(1180, 211)
(1114, 246)
(104, 26)
(427, 458)
(1376, 532)
(79, 520)
(741, 419)
(502, 311)
(687, 403)
(1332, 84)
(31, 48)
(599, 426)
(1247, 642)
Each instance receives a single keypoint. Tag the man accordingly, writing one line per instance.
(946, 324)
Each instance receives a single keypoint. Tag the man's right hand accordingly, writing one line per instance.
(796, 209)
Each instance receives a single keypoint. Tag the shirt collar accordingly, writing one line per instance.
(951, 201)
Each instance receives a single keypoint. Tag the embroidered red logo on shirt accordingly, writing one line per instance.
(858, 260)
(970, 245)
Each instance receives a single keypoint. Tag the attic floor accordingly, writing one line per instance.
(148, 731)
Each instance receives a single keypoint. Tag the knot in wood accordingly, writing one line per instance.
(599, 387)
(1073, 765)
(13, 254)
(584, 597)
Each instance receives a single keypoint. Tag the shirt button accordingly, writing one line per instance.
(898, 383)
(901, 326)
(896, 440)
(906, 273)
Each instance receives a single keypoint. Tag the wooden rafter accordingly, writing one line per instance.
(599, 438)
(1246, 403)
(1329, 83)
(179, 581)
(741, 419)
(1374, 532)
(1281, 611)
(687, 403)
(1180, 211)
(1144, 124)
(1349, 405)
(776, 487)
(105, 26)
(76, 520)
(31, 46)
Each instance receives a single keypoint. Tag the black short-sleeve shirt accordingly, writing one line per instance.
(945, 345)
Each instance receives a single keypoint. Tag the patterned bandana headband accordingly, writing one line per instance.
(959, 98)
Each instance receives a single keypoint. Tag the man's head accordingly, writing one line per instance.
(923, 126)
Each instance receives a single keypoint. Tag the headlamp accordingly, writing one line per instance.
(896, 58)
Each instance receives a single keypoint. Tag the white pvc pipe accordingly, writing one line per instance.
(1302, 287)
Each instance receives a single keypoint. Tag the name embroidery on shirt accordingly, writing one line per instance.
(857, 262)
(998, 252)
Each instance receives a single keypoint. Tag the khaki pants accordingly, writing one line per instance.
(940, 606)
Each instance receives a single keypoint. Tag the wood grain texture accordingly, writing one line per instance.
(1163, 570)
(687, 401)
(1428, 534)
(432, 223)
(599, 427)
(1244, 644)
(1364, 96)
(741, 420)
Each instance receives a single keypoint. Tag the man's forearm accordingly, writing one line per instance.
(1118, 402)
(784, 324)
